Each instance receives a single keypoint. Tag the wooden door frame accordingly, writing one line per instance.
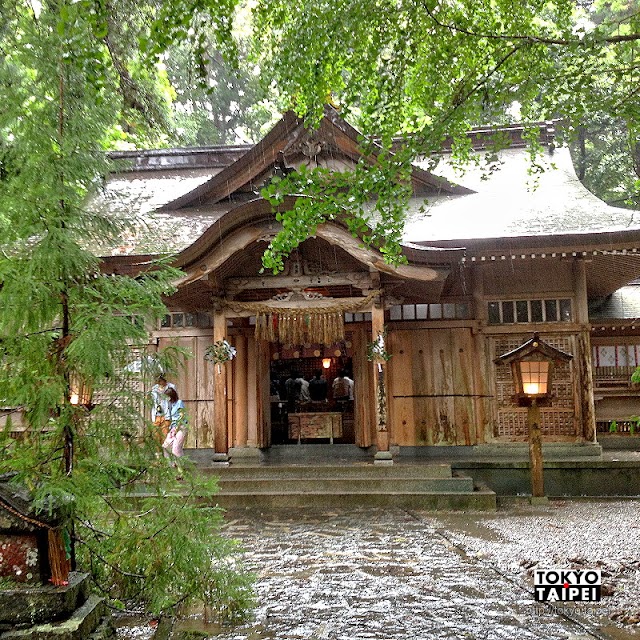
(260, 357)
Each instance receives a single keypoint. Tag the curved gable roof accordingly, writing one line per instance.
(281, 139)
(253, 222)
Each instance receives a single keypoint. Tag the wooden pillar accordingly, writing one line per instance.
(220, 434)
(240, 431)
(583, 384)
(584, 363)
(580, 288)
(535, 450)
(483, 368)
(379, 376)
(262, 388)
(363, 406)
(252, 394)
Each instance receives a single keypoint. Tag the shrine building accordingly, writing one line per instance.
(493, 256)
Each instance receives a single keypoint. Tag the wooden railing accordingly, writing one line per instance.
(613, 376)
(621, 426)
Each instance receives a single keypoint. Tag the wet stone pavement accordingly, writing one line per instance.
(380, 574)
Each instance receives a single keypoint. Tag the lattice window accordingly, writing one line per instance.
(434, 311)
(558, 420)
(526, 311)
(511, 423)
(179, 320)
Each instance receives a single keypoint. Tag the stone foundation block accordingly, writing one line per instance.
(31, 604)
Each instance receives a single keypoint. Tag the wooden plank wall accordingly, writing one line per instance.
(364, 414)
(433, 393)
(502, 279)
(194, 381)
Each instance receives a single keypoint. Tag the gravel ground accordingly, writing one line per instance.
(391, 574)
(565, 534)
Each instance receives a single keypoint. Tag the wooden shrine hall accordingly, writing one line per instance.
(490, 262)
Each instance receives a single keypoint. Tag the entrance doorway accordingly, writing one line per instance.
(310, 398)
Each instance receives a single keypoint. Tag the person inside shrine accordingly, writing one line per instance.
(342, 389)
(318, 387)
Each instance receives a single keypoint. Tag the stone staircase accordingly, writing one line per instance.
(349, 484)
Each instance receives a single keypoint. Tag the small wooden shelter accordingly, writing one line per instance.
(490, 261)
(32, 546)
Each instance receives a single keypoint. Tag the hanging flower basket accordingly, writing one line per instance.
(220, 352)
(376, 350)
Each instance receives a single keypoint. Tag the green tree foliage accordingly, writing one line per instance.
(433, 69)
(66, 326)
(217, 103)
(436, 67)
(607, 160)
(606, 146)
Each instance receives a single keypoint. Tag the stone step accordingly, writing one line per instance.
(482, 500)
(79, 626)
(349, 485)
(312, 484)
(331, 482)
(31, 604)
(299, 487)
(353, 471)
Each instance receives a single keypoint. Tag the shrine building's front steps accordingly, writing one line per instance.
(347, 484)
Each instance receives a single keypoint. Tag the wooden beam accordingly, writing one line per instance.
(242, 238)
(235, 242)
(341, 237)
(359, 279)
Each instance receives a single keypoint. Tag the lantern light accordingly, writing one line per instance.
(326, 363)
(535, 377)
(532, 366)
(80, 394)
